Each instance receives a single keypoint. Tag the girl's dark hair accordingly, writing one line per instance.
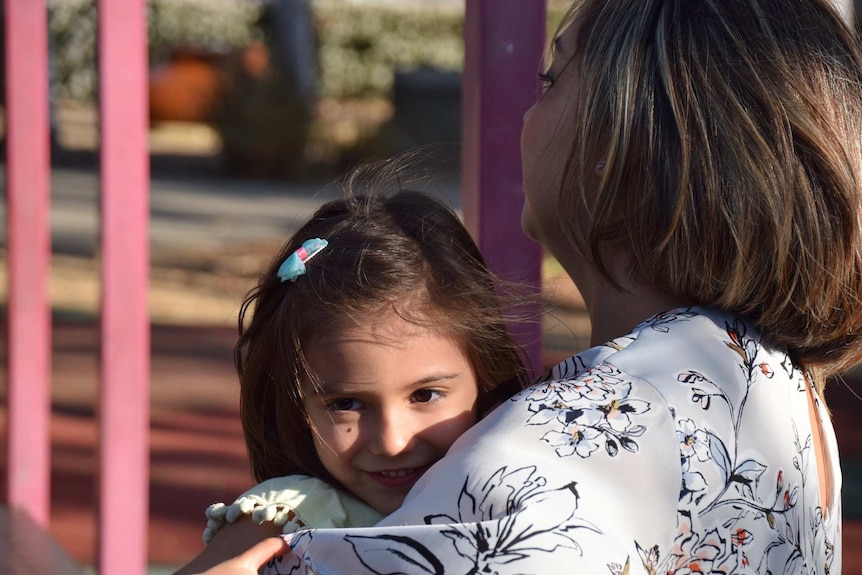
(404, 253)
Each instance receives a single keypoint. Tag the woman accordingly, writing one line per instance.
(695, 166)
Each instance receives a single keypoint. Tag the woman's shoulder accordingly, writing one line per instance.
(736, 409)
(689, 348)
(685, 333)
(700, 364)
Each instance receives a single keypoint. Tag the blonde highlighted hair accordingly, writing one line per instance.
(732, 136)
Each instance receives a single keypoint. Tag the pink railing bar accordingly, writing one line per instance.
(504, 41)
(29, 241)
(124, 409)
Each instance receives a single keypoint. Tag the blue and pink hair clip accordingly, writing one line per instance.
(294, 265)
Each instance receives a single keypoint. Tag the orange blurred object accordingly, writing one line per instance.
(255, 60)
(188, 87)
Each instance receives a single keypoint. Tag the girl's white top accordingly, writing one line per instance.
(684, 447)
(292, 502)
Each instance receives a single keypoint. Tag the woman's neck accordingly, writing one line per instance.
(614, 313)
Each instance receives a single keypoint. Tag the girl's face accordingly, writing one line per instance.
(394, 396)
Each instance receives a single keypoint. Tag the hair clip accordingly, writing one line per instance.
(294, 265)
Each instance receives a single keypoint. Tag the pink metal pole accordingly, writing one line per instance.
(504, 42)
(29, 240)
(124, 443)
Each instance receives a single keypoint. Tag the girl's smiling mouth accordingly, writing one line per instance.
(394, 478)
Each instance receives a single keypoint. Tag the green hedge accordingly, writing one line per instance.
(212, 24)
(72, 30)
(360, 47)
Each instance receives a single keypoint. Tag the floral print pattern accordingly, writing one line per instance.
(683, 447)
(493, 544)
(739, 483)
(593, 411)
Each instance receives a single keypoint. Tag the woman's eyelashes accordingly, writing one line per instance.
(547, 80)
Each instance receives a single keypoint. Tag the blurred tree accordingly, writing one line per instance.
(268, 102)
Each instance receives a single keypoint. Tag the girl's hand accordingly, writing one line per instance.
(248, 562)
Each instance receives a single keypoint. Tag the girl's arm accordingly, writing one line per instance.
(276, 506)
(250, 561)
(233, 542)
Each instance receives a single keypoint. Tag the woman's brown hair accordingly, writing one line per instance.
(731, 132)
(404, 252)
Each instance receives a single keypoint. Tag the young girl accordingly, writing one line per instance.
(376, 340)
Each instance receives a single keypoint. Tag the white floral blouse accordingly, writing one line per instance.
(684, 447)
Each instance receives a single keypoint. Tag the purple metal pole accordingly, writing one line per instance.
(124, 409)
(504, 42)
(29, 240)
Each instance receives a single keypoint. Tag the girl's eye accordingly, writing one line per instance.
(344, 404)
(426, 395)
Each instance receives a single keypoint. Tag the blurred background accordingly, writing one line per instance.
(257, 108)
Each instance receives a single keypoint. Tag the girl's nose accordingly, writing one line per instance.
(393, 435)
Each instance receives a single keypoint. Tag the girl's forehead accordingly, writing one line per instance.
(388, 327)
(393, 354)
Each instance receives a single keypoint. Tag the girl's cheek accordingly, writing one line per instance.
(329, 431)
(343, 437)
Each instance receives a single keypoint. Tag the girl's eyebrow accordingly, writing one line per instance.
(348, 388)
(329, 388)
(436, 378)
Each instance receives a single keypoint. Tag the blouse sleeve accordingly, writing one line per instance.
(293, 502)
(581, 476)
